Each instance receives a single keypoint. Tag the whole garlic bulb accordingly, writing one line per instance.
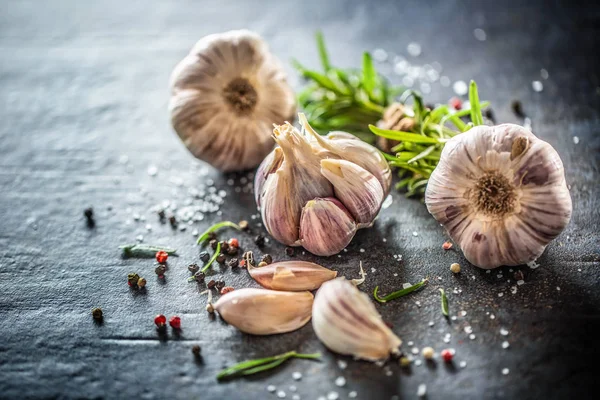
(316, 191)
(501, 194)
(226, 94)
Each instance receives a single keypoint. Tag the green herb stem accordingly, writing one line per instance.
(145, 251)
(444, 302)
(476, 116)
(213, 258)
(206, 234)
(262, 364)
(399, 293)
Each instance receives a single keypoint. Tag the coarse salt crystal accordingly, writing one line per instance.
(503, 331)
(505, 371)
(505, 345)
(520, 282)
(352, 394)
(333, 396)
(414, 49)
(271, 388)
(460, 88)
(576, 139)
(340, 381)
(415, 233)
(281, 394)
(297, 375)
(462, 364)
(468, 329)
(422, 390)
(480, 34)
(537, 86)
(342, 364)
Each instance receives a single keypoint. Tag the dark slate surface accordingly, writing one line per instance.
(83, 115)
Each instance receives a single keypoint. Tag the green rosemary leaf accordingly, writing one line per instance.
(399, 293)
(456, 121)
(444, 303)
(206, 234)
(144, 250)
(263, 364)
(476, 116)
(213, 258)
(369, 75)
(403, 136)
(323, 52)
(422, 154)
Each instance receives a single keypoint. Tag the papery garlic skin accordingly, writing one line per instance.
(265, 312)
(501, 194)
(226, 94)
(346, 321)
(316, 191)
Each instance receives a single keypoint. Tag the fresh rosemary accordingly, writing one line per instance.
(262, 364)
(399, 293)
(444, 302)
(206, 234)
(143, 250)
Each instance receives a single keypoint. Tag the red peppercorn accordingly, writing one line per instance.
(447, 246)
(447, 355)
(175, 322)
(160, 320)
(242, 264)
(227, 289)
(161, 256)
(456, 103)
(234, 242)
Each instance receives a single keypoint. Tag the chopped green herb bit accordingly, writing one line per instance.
(262, 364)
(444, 303)
(213, 258)
(143, 250)
(204, 236)
(399, 293)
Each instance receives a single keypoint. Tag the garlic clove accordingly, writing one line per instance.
(356, 187)
(269, 165)
(291, 275)
(265, 312)
(501, 194)
(335, 135)
(346, 321)
(326, 226)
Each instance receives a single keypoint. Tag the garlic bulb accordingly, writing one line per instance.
(316, 191)
(346, 321)
(265, 312)
(501, 194)
(226, 94)
(291, 275)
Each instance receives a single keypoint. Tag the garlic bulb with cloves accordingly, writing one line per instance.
(346, 321)
(501, 194)
(226, 94)
(316, 191)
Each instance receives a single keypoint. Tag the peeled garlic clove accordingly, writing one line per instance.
(326, 227)
(356, 188)
(346, 321)
(225, 95)
(265, 312)
(269, 165)
(291, 275)
(291, 186)
(501, 194)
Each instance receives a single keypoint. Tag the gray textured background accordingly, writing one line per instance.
(83, 85)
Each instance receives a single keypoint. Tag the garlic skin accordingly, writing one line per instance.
(500, 193)
(265, 312)
(291, 275)
(225, 96)
(316, 191)
(346, 321)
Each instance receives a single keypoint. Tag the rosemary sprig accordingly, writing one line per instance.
(206, 234)
(262, 364)
(444, 302)
(213, 258)
(143, 250)
(344, 99)
(399, 293)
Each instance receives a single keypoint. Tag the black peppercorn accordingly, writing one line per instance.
(199, 276)
(289, 251)
(212, 235)
(221, 258)
(220, 285)
(267, 258)
(89, 213)
(233, 262)
(132, 279)
(161, 215)
(193, 268)
(224, 245)
(259, 240)
(213, 244)
(160, 270)
(211, 284)
(173, 221)
(232, 250)
(517, 108)
(97, 314)
(204, 256)
(196, 350)
(244, 225)
(489, 114)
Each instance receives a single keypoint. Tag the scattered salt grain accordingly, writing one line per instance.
(537, 86)
(414, 49)
(293, 388)
(410, 343)
(479, 34)
(281, 394)
(415, 233)
(462, 364)
(503, 331)
(505, 345)
(500, 294)
(431, 323)
(533, 264)
(297, 375)
(296, 397)
(341, 364)
(271, 389)
(139, 238)
(544, 73)
(468, 329)
(453, 318)
(462, 313)
(520, 282)
(373, 270)
(505, 371)
(362, 250)
(558, 288)
(460, 88)
(380, 55)
(444, 81)
(472, 336)
(340, 381)
(418, 362)
(333, 396)
(352, 394)
(415, 350)
(422, 390)
(576, 139)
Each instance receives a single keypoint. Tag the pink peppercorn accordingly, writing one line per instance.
(227, 289)
(175, 322)
(162, 256)
(160, 320)
(455, 103)
(447, 355)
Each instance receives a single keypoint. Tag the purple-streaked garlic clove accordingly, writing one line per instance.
(291, 275)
